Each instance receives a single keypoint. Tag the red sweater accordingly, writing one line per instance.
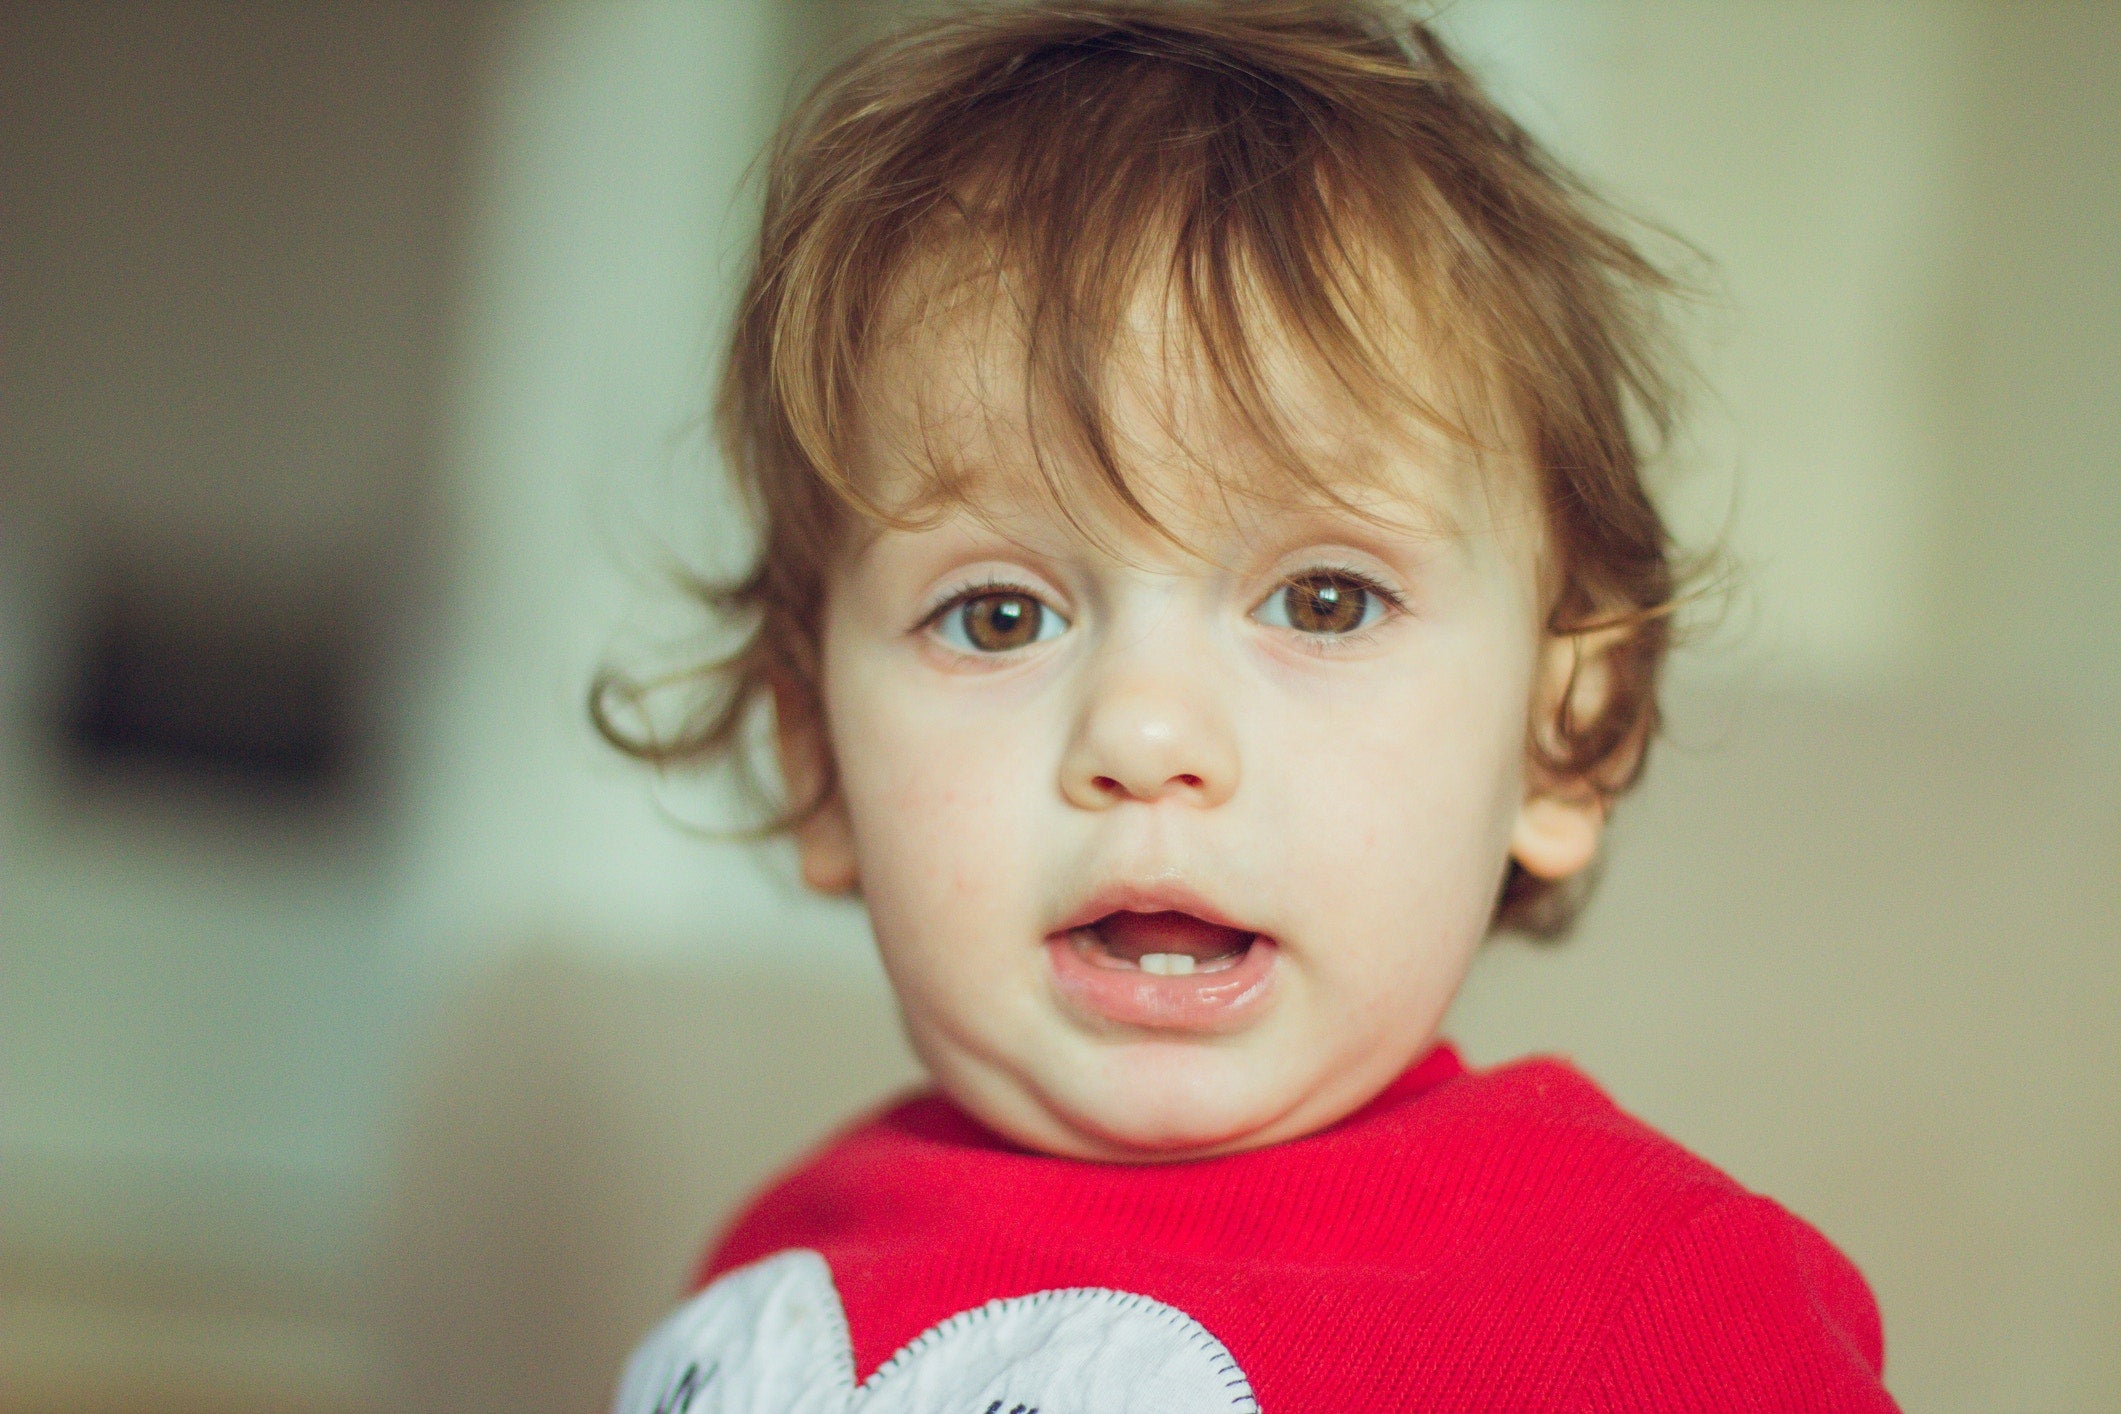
(1506, 1240)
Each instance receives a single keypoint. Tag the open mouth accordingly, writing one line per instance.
(1166, 944)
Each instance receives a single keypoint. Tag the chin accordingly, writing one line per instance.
(1148, 1110)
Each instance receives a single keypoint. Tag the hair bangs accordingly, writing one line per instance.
(1140, 204)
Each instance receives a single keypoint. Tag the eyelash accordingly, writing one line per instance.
(1394, 604)
(961, 595)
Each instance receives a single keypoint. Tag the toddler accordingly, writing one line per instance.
(1205, 587)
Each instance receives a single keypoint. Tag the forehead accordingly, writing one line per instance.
(1149, 433)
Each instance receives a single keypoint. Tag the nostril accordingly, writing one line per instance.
(1113, 788)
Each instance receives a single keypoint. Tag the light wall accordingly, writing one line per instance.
(1908, 210)
(607, 226)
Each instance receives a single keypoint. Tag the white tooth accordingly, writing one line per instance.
(1167, 964)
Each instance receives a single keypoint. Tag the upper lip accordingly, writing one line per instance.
(1160, 896)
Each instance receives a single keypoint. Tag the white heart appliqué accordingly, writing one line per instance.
(771, 1338)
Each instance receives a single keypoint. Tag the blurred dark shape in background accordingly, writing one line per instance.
(210, 683)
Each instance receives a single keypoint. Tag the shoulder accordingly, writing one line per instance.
(1709, 1295)
(1744, 1306)
(1541, 1144)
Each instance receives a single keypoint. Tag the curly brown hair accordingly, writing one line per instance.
(1322, 170)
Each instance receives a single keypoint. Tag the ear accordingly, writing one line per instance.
(1556, 835)
(1560, 822)
(824, 839)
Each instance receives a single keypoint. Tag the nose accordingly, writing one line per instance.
(1147, 737)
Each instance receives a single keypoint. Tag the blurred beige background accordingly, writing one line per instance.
(396, 1047)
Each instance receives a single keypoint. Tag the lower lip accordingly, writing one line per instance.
(1206, 1002)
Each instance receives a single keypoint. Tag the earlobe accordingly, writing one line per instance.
(825, 844)
(1556, 836)
(824, 836)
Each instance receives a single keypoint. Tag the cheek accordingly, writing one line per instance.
(1409, 787)
(943, 802)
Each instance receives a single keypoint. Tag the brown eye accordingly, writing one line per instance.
(997, 622)
(1323, 603)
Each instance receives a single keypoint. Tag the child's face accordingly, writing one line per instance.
(1175, 851)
